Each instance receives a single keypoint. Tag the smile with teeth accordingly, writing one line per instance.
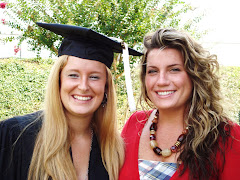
(163, 93)
(82, 98)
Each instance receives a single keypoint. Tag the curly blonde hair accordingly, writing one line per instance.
(206, 118)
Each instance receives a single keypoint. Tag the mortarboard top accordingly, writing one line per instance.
(86, 43)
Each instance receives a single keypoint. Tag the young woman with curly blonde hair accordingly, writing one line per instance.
(187, 135)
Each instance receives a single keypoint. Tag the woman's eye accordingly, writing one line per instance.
(175, 69)
(94, 77)
(151, 71)
(73, 75)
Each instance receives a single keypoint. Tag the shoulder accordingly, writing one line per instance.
(17, 139)
(136, 121)
(235, 129)
(235, 136)
(231, 145)
(21, 120)
(232, 154)
(140, 115)
(230, 136)
(20, 131)
(15, 125)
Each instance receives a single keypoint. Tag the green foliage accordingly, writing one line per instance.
(230, 84)
(128, 20)
(22, 85)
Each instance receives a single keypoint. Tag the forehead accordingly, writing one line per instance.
(164, 56)
(80, 64)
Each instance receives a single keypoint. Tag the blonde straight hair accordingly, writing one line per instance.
(51, 157)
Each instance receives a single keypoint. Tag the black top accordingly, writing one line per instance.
(16, 154)
(87, 44)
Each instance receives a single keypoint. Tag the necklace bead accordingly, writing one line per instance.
(166, 152)
(157, 150)
(152, 137)
(153, 142)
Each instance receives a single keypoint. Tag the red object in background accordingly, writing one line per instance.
(3, 5)
(3, 21)
(16, 49)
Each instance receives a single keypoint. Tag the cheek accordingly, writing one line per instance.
(66, 87)
(187, 83)
(190, 87)
(97, 87)
(67, 83)
(100, 88)
(148, 82)
(62, 87)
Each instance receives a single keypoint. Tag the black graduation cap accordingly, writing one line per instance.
(86, 43)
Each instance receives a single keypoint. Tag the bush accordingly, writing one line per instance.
(22, 87)
(230, 84)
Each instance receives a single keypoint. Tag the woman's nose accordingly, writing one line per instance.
(83, 84)
(163, 79)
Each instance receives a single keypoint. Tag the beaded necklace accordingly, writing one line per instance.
(153, 142)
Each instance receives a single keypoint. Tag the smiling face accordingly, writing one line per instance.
(82, 86)
(167, 83)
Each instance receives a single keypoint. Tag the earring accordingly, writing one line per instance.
(104, 101)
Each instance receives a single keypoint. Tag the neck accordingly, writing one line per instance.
(79, 126)
(171, 118)
(153, 128)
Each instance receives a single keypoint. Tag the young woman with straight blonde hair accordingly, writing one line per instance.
(75, 137)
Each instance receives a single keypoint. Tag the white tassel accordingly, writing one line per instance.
(128, 79)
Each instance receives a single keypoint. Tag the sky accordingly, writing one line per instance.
(221, 19)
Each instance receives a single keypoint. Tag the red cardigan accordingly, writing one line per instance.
(132, 132)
